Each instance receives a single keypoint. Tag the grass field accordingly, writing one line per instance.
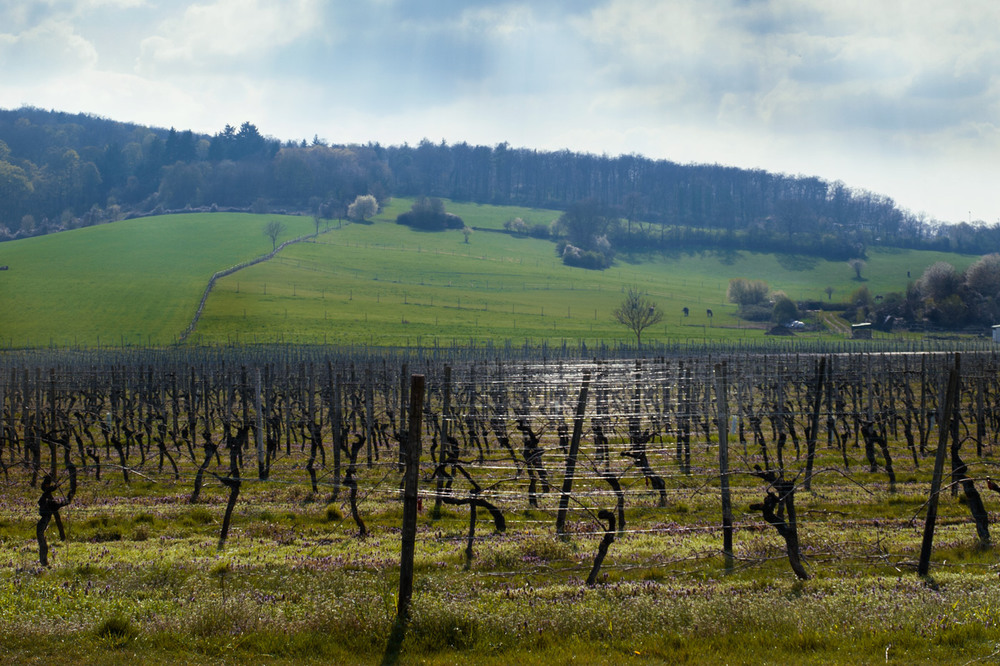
(133, 282)
(138, 282)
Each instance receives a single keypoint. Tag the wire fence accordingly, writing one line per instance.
(658, 442)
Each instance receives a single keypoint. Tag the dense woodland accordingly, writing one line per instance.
(61, 171)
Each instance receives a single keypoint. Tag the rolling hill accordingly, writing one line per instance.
(138, 282)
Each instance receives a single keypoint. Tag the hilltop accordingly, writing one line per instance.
(61, 171)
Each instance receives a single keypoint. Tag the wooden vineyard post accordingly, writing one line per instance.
(338, 434)
(574, 450)
(36, 436)
(52, 423)
(932, 502)
(369, 414)
(722, 405)
(814, 423)
(830, 423)
(4, 445)
(411, 478)
(956, 441)
(261, 468)
(980, 415)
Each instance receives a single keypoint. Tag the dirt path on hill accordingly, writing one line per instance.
(229, 271)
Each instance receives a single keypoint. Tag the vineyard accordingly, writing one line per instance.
(658, 506)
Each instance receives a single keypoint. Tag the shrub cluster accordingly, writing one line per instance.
(429, 215)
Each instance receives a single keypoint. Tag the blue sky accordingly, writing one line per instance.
(897, 97)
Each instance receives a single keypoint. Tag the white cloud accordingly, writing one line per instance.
(897, 96)
(226, 33)
(52, 47)
(798, 65)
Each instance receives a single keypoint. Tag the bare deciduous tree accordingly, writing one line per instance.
(272, 230)
(744, 292)
(638, 312)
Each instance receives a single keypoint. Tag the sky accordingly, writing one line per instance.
(897, 97)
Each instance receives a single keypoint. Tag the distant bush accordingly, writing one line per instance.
(759, 312)
(429, 215)
(516, 226)
(593, 260)
(539, 231)
(784, 310)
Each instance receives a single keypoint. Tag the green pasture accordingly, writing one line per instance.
(382, 284)
(483, 216)
(138, 282)
(132, 282)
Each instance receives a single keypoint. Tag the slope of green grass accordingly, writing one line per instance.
(139, 282)
(383, 284)
(485, 216)
(136, 281)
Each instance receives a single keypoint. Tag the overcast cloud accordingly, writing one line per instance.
(897, 97)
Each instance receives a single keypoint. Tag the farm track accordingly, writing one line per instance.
(834, 323)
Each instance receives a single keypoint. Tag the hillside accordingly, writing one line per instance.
(61, 171)
(138, 282)
(133, 282)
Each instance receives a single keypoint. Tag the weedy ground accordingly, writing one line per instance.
(141, 576)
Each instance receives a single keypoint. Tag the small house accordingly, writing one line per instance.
(996, 333)
(862, 331)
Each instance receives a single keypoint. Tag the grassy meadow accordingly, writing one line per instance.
(132, 282)
(138, 282)
(140, 576)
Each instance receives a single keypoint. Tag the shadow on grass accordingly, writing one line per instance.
(394, 646)
(796, 262)
(729, 257)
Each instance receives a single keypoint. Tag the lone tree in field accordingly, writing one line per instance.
(364, 206)
(857, 265)
(638, 312)
(272, 230)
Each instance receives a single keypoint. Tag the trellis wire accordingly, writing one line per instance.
(505, 414)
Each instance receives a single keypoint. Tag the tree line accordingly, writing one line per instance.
(941, 297)
(60, 171)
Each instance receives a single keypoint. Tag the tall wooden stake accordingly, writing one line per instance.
(932, 502)
(411, 479)
(369, 414)
(814, 423)
(722, 405)
(259, 435)
(337, 428)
